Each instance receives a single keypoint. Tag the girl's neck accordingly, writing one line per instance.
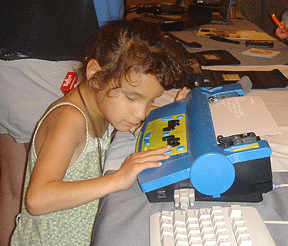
(92, 110)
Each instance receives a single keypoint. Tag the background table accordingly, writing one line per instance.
(239, 23)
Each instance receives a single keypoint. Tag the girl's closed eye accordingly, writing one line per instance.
(130, 98)
(133, 98)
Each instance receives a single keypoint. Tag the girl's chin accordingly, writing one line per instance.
(130, 127)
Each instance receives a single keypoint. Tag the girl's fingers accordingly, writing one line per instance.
(148, 165)
(160, 150)
(156, 153)
(147, 159)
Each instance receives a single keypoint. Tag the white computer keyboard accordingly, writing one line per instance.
(220, 226)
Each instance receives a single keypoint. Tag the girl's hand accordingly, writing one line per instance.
(282, 30)
(137, 162)
(181, 94)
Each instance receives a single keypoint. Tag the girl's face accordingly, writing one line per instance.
(127, 106)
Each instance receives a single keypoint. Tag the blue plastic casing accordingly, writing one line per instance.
(200, 159)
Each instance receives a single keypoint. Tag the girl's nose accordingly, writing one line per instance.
(141, 113)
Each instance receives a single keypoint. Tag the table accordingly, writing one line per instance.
(239, 23)
(123, 217)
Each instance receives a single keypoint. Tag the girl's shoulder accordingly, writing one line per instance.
(63, 118)
(65, 108)
(65, 114)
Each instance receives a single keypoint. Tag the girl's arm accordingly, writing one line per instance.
(181, 94)
(59, 142)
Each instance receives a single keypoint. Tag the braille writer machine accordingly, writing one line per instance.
(216, 168)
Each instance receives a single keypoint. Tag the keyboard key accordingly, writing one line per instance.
(195, 237)
(191, 216)
(180, 228)
(224, 242)
(242, 234)
(167, 230)
(206, 227)
(193, 230)
(220, 229)
(167, 214)
(209, 242)
(245, 242)
(168, 240)
(196, 243)
(234, 211)
(237, 221)
(240, 227)
(219, 222)
(166, 221)
(208, 234)
(181, 241)
(179, 217)
(217, 216)
(204, 213)
(181, 235)
(222, 236)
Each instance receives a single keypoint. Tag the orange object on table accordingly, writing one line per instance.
(277, 22)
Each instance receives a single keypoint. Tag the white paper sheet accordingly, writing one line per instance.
(238, 115)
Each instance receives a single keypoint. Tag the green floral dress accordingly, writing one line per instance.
(68, 227)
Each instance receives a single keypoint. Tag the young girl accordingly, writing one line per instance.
(131, 65)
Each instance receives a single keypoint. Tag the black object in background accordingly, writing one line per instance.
(213, 5)
(165, 23)
(156, 10)
(259, 79)
(222, 39)
(200, 15)
(190, 44)
(215, 57)
(260, 43)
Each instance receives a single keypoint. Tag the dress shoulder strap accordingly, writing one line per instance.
(50, 110)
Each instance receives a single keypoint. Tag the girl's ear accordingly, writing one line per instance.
(92, 68)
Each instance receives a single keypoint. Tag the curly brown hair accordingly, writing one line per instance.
(133, 45)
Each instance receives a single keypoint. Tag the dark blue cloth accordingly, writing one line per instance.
(107, 10)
